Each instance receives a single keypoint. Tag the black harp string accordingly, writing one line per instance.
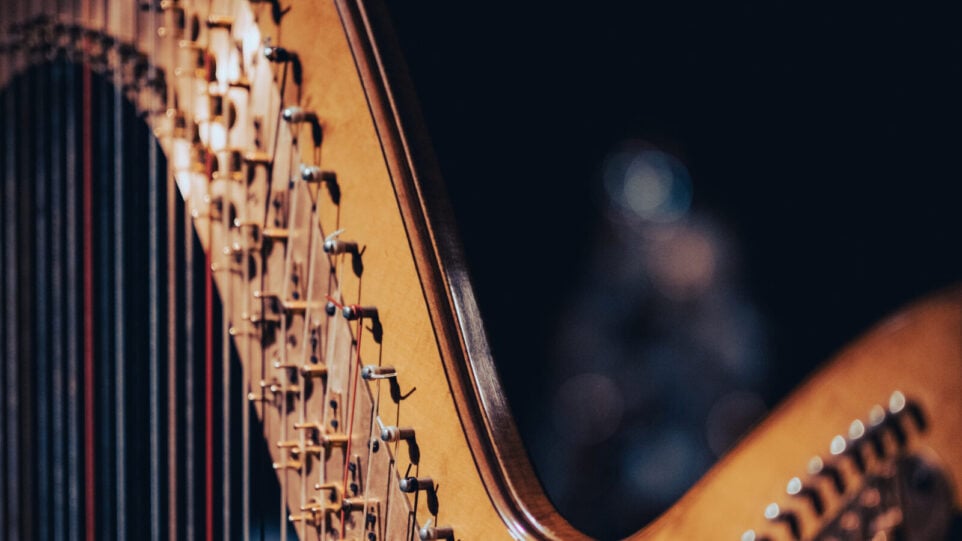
(8, 512)
(39, 82)
(4, 51)
(74, 345)
(12, 417)
(173, 332)
(57, 176)
(153, 277)
(104, 147)
(112, 19)
(189, 286)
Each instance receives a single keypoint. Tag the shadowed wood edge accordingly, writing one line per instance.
(716, 507)
(917, 351)
(498, 452)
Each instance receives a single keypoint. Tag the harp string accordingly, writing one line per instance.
(209, 160)
(56, 138)
(4, 261)
(74, 338)
(190, 310)
(11, 300)
(112, 20)
(88, 287)
(173, 331)
(39, 83)
(153, 284)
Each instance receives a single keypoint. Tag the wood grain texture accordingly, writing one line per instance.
(393, 204)
(918, 351)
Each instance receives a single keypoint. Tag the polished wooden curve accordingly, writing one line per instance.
(389, 199)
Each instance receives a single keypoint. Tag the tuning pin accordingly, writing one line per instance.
(796, 488)
(256, 158)
(277, 54)
(750, 535)
(428, 532)
(855, 433)
(275, 233)
(313, 173)
(414, 484)
(352, 312)
(220, 21)
(816, 466)
(372, 371)
(393, 433)
(295, 115)
(263, 295)
(775, 514)
(241, 83)
(286, 389)
(898, 403)
(289, 465)
(333, 245)
(313, 370)
(309, 426)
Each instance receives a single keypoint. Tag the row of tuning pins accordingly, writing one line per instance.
(321, 436)
(883, 438)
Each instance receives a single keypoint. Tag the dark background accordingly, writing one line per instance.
(823, 139)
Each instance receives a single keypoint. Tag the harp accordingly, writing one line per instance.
(234, 306)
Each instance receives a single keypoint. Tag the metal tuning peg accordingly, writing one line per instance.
(372, 371)
(899, 404)
(775, 514)
(334, 246)
(876, 421)
(277, 234)
(288, 465)
(414, 484)
(278, 388)
(277, 54)
(257, 158)
(313, 370)
(750, 535)
(816, 466)
(251, 397)
(225, 22)
(428, 532)
(296, 115)
(352, 312)
(356, 504)
(856, 433)
(394, 433)
(797, 488)
(313, 173)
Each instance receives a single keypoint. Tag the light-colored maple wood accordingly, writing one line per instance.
(918, 351)
(392, 205)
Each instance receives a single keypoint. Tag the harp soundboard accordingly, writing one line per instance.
(233, 279)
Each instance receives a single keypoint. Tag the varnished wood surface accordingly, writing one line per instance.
(393, 205)
(918, 351)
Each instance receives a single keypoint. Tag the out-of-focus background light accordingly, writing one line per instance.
(702, 201)
(660, 354)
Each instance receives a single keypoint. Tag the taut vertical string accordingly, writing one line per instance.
(189, 333)
(153, 281)
(9, 422)
(88, 303)
(39, 80)
(74, 277)
(173, 335)
(56, 137)
(119, 331)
